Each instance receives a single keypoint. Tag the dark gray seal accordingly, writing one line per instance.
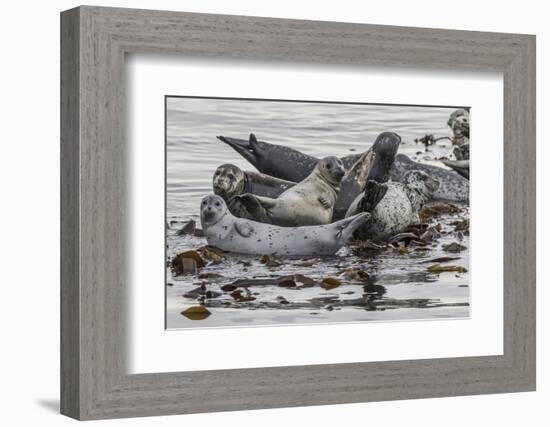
(373, 165)
(289, 164)
(452, 186)
(461, 167)
(398, 208)
(274, 160)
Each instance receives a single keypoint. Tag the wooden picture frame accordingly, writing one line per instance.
(94, 382)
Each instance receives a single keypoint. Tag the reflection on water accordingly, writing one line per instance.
(398, 286)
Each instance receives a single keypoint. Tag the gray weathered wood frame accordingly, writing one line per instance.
(94, 41)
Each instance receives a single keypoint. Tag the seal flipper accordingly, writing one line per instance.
(461, 167)
(243, 147)
(347, 226)
(374, 192)
(462, 152)
(324, 202)
(256, 205)
(244, 228)
(352, 184)
(385, 149)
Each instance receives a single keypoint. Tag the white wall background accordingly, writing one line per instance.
(29, 211)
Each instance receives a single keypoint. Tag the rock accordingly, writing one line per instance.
(212, 294)
(454, 247)
(287, 282)
(196, 292)
(188, 228)
(228, 288)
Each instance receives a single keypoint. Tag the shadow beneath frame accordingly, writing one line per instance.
(51, 405)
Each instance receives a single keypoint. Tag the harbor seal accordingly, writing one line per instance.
(462, 152)
(310, 202)
(373, 165)
(461, 167)
(275, 160)
(280, 161)
(232, 234)
(230, 181)
(462, 163)
(459, 122)
(398, 208)
(452, 186)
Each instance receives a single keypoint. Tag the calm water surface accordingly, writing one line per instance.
(399, 288)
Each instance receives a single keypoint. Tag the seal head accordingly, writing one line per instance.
(228, 181)
(384, 148)
(331, 170)
(213, 209)
(421, 187)
(459, 122)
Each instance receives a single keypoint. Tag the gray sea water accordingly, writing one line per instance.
(399, 285)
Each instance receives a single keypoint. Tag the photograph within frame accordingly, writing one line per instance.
(409, 261)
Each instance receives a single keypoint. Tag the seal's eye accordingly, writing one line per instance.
(204, 203)
(329, 166)
(231, 176)
(217, 173)
(218, 204)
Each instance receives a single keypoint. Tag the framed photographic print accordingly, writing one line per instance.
(318, 258)
(292, 213)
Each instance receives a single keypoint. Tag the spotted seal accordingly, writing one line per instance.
(233, 234)
(310, 202)
(398, 208)
(452, 186)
